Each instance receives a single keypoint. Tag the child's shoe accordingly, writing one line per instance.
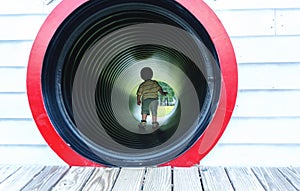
(143, 123)
(155, 124)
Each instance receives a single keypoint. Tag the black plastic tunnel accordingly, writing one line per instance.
(91, 70)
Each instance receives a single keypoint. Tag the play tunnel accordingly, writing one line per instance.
(84, 72)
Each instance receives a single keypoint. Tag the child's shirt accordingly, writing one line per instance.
(148, 89)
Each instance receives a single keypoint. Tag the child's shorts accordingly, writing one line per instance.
(150, 105)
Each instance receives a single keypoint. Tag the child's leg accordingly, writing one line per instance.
(143, 121)
(145, 110)
(153, 108)
(144, 117)
(154, 118)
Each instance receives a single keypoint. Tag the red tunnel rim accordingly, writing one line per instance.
(192, 156)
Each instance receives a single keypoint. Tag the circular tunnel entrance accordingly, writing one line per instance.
(91, 70)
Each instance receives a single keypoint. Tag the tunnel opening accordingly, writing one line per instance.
(167, 104)
(92, 66)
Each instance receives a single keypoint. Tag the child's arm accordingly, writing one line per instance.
(138, 99)
(162, 92)
(138, 96)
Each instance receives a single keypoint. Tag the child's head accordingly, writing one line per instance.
(146, 73)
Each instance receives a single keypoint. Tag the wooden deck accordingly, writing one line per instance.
(13, 178)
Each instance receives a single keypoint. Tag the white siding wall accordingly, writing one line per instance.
(265, 126)
(20, 140)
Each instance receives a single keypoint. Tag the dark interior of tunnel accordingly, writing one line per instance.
(93, 56)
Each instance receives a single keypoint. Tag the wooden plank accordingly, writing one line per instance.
(269, 76)
(242, 178)
(12, 24)
(286, 22)
(267, 104)
(215, 179)
(292, 176)
(6, 171)
(12, 79)
(297, 170)
(187, 179)
(74, 179)
(248, 22)
(129, 179)
(102, 179)
(21, 177)
(46, 179)
(282, 49)
(158, 179)
(9, 50)
(272, 179)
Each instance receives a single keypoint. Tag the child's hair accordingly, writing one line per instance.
(146, 73)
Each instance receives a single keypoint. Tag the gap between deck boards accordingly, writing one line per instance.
(200, 178)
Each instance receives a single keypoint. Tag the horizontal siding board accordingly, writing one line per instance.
(18, 132)
(21, 7)
(239, 131)
(248, 23)
(269, 76)
(244, 130)
(20, 27)
(288, 22)
(28, 6)
(266, 38)
(262, 131)
(12, 79)
(267, 49)
(14, 106)
(253, 155)
(14, 53)
(260, 22)
(251, 4)
(49, 5)
(249, 104)
(221, 155)
(257, 23)
(267, 104)
(21, 155)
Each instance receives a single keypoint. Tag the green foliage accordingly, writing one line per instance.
(168, 99)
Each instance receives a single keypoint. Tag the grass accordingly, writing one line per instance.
(164, 110)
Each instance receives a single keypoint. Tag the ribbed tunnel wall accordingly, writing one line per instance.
(91, 69)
